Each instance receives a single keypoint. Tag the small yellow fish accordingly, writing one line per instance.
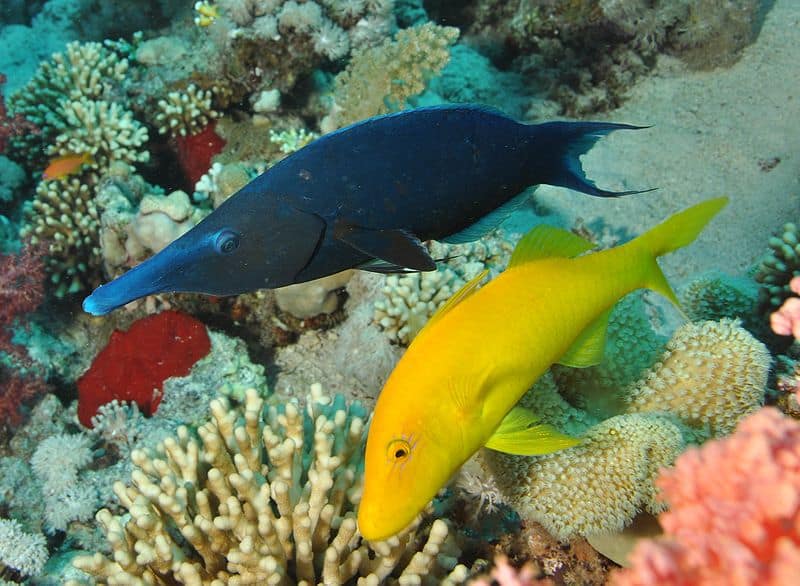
(66, 165)
(456, 387)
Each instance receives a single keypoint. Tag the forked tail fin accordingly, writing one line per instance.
(676, 232)
(557, 148)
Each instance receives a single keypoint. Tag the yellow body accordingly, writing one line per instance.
(467, 369)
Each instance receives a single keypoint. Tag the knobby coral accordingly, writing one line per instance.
(267, 496)
(734, 512)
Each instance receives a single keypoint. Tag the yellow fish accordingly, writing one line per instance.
(456, 387)
(66, 165)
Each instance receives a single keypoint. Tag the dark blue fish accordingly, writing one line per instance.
(366, 196)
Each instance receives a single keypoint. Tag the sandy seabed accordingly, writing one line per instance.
(713, 133)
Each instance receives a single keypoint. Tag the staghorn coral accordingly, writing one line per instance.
(710, 375)
(382, 78)
(734, 515)
(263, 496)
(410, 299)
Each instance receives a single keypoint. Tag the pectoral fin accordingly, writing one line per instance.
(397, 248)
(587, 350)
(521, 434)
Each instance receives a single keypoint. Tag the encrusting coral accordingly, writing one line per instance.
(264, 496)
(710, 375)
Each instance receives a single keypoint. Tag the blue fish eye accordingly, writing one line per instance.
(226, 242)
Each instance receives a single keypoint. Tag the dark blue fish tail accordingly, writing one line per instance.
(566, 142)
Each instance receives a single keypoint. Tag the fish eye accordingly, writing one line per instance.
(398, 450)
(226, 241)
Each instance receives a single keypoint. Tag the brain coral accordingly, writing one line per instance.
(266, 496)
(710, 375)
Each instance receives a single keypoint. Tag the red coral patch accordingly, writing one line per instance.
(135, 364)
(196, 151)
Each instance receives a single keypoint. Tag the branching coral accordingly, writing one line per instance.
(266, 496)
(381, 79)
(734, 515)
(409, 300)
(12, 126)
(71, 97)
(281, 40)
(65, 216)
(184, 113)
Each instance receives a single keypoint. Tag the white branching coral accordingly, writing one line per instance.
(410, 299)
(185, 113)
(266, 496)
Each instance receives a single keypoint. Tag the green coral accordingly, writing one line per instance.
(381, 79)
(717, 295)
(778, 267)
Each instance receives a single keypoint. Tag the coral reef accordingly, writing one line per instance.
(710, 375)
(558, 41)
(382, 78)
(23, 552)
(504, 574)
(409, 300)
(786, 321)
(778, 267)
(262, 496)
(12, 126)
(733, 513)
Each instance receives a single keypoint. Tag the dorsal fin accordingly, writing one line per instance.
(548, 242)
(588, 348)
(458, 296)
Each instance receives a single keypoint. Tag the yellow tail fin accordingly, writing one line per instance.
(672, 234)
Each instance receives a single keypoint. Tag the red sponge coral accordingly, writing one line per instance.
(135, 364)
(195, 152)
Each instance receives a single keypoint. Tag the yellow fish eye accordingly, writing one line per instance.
(398, 450)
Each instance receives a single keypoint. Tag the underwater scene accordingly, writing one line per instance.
(362, 292)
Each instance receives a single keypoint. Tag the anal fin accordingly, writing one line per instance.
(488, 222)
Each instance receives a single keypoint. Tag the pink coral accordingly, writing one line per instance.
(786, 321)
(734, 516)
(504, 574)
